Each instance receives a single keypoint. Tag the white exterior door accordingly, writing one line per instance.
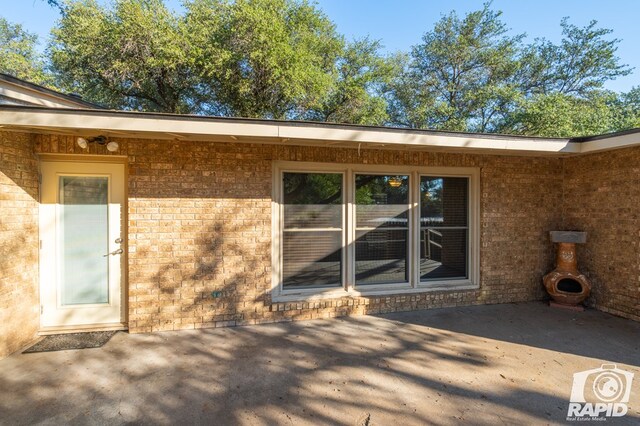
(82, 245)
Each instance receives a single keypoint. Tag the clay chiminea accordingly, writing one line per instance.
(565, 284)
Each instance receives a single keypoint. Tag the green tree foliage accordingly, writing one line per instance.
(135, 55)
(284, 59)
(264, 58)
(559, 114)
(562, 86)
(18, 54)
(628, 107)
(461, 77)
(357, 94)
(468, 75)
(582, 62)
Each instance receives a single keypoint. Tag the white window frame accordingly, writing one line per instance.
(348, 288)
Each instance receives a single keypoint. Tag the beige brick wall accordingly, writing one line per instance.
(602, 197)
(200, 221)
(19, 316)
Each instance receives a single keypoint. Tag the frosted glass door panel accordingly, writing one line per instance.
(83, 240)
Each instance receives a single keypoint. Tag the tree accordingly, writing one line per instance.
(468, 75)
(629, 107)
(249, 58)
(264, 58)
(582, 62)
(284, 59)
(56, 3)
(357, 95)
(562, 86)
(18, 54)
(135, 56)
(564, 115)
(461, 77)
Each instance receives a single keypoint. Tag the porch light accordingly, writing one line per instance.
(100, 140)
(83, 143)
(395, 181)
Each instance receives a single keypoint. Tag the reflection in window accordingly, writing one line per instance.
(382, 205)
(313, 234)
(444, 227)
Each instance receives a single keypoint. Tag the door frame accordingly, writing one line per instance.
(124, 280)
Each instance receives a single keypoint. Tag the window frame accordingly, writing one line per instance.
(348, 286)
(443, 281)
(343, 224)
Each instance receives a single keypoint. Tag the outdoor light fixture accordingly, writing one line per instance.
(100, 140)
(395, 181)
(83, 143)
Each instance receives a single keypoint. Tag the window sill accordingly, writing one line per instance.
(306, 296)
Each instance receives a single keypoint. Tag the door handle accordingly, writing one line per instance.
(113, 253)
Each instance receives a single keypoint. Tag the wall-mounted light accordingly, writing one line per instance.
(100, 140)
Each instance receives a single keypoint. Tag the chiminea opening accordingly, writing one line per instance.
(569, 285)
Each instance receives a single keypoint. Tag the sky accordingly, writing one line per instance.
(399, 24)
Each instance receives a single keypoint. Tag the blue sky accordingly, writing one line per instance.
(400, 24)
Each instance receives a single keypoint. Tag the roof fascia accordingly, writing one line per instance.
(282, 131)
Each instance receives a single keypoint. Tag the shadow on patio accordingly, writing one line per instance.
(589, 334)
(482, 364)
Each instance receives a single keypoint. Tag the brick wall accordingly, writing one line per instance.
(200, 221)
(19, 316)
(602, 197)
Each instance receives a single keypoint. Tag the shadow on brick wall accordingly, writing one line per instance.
(214, 282)
(18, 241)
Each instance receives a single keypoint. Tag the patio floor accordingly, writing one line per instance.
(500, 364)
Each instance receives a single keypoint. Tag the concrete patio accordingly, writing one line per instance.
(500, 364)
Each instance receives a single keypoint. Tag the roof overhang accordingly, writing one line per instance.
(124, 124)
(16, 91)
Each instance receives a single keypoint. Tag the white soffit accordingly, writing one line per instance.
(612, 142)
(123, 124)
(432, 139)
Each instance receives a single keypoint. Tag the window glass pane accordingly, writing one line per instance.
(83, 241)
(312, 235)
(443, 253)
(381, 201)
(381, 256)
(312, 259)
(443, 201)
(443, 227)
(382, 206)
(312, 200)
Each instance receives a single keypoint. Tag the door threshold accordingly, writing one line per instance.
(46, 331)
